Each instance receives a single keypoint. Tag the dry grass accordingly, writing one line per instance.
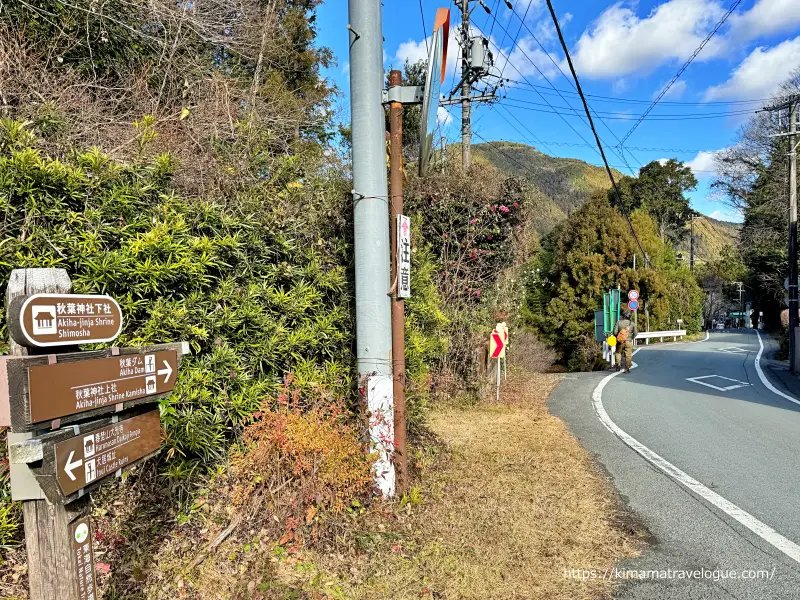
(515, 502)
(507, 502)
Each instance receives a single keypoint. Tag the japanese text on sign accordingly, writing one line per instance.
(403, 256)
(84, 558)
(67, 388)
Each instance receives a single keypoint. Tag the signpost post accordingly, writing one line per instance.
(53, 468)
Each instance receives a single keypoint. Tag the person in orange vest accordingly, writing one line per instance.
(625, 331)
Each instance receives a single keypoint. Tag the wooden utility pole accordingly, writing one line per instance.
(52, 567)
(691, 247)
(791, 104)
(466, 126)
(398, 304)
(792, 234)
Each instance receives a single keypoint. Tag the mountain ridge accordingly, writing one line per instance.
(566, 183)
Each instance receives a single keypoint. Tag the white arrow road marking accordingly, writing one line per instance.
(71, 466)
(762, 530)
(167, 371)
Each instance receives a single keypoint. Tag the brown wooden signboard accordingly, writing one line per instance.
(42, 391)
(83, 555)
(63, 389)
(92, 456)
(45, 320)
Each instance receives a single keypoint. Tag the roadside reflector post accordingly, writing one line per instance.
(497, 348)
(498, 379)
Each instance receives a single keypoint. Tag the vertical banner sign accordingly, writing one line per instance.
(81, 536)
(403, 256)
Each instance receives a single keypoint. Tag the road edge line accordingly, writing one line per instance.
(762, 530)
(767, 383)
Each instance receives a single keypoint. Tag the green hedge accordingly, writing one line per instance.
(258, 286)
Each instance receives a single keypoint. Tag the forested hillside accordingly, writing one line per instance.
(711, 238)
(567, 183)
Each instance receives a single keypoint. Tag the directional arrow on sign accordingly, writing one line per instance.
(499, 344)
(167, 370)
(71, 466)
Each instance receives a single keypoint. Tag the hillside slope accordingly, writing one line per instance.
(565, 182)
(710, 237)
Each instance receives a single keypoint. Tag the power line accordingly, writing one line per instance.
(525, 127)
(494, 15)
(525, 142)
(505, 32)
(623, 117)
(560, 70)
(424, 29)
(500, 149)
(543, 98)
(637, 148)
(619, 99)
(680, 71)
(604, 112)
(535, 66)
(594, 131)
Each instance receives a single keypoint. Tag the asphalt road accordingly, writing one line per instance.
(707, 456)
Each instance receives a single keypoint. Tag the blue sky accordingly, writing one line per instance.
(626, 51)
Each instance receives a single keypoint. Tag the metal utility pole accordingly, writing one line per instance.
(370, 192)
(371, 228)
(398, 304)
(466, 126)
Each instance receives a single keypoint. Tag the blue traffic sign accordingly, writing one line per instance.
(633, 304)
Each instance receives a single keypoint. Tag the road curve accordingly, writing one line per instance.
(706, 453)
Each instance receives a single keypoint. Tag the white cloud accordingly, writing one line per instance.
(621, 43)
(415, 51)
(704, 165)
(444, 117)
(522, 59)
(766, 17)
(760, 74)
(675, 92)
(722, 215)
(346, 68)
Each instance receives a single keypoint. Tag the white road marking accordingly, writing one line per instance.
(732, 350)
(762, 530)
(763, 377)
(739, 384)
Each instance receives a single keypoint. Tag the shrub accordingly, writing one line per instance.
(592, 253)
(306, 445)
(258, 287)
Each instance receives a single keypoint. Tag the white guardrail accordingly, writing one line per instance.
(608, 351)
(648, 335)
